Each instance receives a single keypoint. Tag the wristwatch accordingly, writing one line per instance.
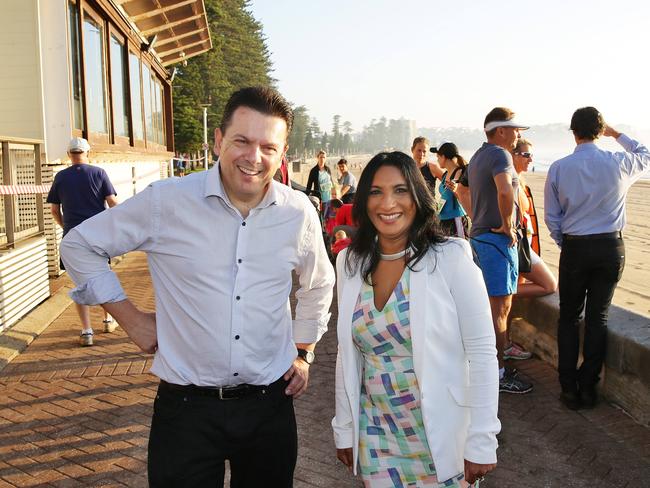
(306, 356)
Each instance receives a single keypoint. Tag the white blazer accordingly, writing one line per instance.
(454, 356)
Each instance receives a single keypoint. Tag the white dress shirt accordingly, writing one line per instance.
(222, 282)
(585, 191)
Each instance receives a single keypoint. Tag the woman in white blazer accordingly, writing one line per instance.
(416, 375)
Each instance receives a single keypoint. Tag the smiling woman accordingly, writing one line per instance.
(409, 301)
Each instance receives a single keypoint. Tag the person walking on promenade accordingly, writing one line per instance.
(493, 185)
(315, 179)
(430, 170)
(416, 372)
(78, 193)
(584, 209)
(347, 181)
(539, 281)
(453, 218)
(229, 357)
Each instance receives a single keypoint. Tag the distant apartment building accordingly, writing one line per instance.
(98, 69)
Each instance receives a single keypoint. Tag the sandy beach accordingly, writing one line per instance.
(633, 292)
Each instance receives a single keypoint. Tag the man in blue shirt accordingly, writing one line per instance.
(78, 193)
(584, 208)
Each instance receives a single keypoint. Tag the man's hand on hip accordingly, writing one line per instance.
(508, 231)
(139, 325)
(298, 377)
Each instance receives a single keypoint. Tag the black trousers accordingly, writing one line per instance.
(193, 434)
(589, 272)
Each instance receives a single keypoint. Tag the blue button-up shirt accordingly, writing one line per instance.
(222, 282)
(585, 191)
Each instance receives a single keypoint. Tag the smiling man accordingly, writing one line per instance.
(229, 357)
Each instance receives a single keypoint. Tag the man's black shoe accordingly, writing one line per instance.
(571, 400)
(589, 397)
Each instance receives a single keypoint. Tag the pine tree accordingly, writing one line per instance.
(239, 57)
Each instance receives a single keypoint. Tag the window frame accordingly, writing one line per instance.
(84, 118)
(112, 24)
(97, 137)
(119, 140)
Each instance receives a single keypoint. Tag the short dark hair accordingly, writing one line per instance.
(342, 161)
(424, 232)
(587, 123)
(498, 113)
(262, 99)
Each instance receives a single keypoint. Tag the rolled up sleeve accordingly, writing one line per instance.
(86, 248)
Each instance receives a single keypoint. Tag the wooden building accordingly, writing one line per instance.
(98, 69)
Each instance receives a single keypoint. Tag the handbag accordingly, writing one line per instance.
(523, 251)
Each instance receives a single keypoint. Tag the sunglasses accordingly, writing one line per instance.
(525, 154)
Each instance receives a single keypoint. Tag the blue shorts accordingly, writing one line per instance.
(498, 262)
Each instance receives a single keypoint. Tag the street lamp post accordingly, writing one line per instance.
(205, 132)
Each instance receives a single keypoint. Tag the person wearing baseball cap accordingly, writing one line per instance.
(493, 186)
(78, 193)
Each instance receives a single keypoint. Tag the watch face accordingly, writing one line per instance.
(307, 356)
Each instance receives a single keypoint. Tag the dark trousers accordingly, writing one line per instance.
(589, 272)
(193, 434)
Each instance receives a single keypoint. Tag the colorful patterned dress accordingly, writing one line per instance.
(393, 448)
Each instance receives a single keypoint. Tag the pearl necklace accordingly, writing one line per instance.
(393, 257)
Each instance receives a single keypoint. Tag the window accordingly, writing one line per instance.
(119, 85)
(136, 96)
(95, 67)
(75, 69)
(158, 112)
(148, 100)
(117, 91)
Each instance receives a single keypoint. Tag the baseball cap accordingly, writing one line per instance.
(78, 144)
(505, 123)
(445, 148)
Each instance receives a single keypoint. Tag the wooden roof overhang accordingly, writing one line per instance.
(180, 27)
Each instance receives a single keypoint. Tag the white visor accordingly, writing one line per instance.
(504, 123)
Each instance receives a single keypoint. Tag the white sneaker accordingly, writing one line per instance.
(109, 326)
(86, 339)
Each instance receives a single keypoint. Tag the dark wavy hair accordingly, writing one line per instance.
(425, 232)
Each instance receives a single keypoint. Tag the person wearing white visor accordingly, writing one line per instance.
(493, 186)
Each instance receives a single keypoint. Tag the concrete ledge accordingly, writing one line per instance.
(626, 378)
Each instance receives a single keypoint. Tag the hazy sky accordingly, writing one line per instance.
(448, 63)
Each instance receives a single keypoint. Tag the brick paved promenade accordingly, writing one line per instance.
(80, 417)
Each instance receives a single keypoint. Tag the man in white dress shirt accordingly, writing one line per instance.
(229, 357)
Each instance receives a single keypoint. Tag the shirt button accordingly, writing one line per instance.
(243, 224)
(237, 297)
(237, 337)
(236, 374)
(239, 260)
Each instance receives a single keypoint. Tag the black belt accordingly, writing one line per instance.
(222, 392)
(606, 235)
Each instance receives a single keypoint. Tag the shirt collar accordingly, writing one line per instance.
(585, 146)
(214, 188)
